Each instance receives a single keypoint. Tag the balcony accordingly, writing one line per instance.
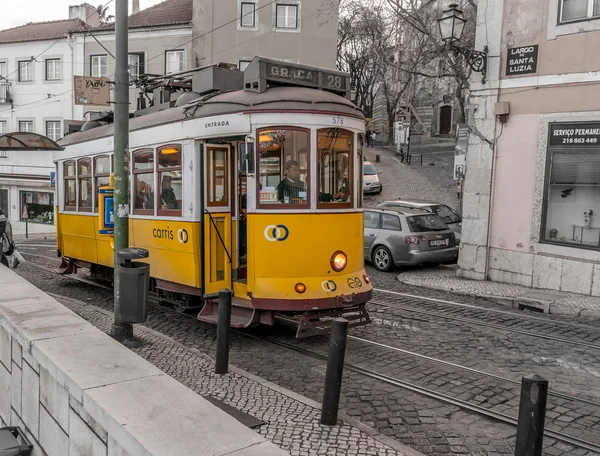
(4, 92)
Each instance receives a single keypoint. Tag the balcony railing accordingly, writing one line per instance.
(4, 92)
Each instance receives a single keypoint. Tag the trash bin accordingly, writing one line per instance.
(134, 280)
(14, 443)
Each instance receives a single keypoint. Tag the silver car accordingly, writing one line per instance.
(449, 216)
(371, 182)
(407, 237)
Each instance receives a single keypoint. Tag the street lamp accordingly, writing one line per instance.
(452, 24)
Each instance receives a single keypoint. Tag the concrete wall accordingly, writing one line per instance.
(74, 391)
(313, 44)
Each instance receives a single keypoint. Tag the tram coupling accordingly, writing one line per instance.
(320, 322)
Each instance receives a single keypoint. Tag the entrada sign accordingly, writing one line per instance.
(575, 134)
(521, 60)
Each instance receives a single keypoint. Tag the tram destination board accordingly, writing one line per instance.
(262, 71)
(575, 134)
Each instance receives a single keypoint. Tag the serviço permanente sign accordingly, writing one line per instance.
(521, 60)
(575, 134)
(305, 76)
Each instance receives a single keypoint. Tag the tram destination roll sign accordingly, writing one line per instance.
(522, 60)
(305, 76)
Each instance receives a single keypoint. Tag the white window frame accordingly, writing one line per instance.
(4, 73)
(26, 122)
(57, 124)
(141, 60)
(254, 26)
(239, 60)
(96, 62)
(182, 60)
(284, 3)
(57, 66)
(590, 13)
(27, 68)
(3, 126)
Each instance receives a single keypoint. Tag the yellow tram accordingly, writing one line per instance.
(249, 181)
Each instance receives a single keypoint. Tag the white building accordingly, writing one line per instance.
(37, 62)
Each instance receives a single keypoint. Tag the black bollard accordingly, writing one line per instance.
(532, 413)
(223, 326)
(335, 370)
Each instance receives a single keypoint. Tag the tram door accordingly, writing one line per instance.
(217, 217)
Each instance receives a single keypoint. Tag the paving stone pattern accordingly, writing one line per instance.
(427, 425)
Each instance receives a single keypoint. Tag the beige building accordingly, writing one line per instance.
(159, 43)
(235, 31)
(533, 177)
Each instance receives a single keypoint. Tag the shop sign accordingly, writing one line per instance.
(575, 134)
(521, 60)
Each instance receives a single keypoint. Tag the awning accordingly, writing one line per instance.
(20, 140)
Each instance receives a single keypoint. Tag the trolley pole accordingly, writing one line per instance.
(121, 150)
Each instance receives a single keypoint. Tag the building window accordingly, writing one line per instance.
(101, 174)
(287, 16)
(3, 126)
(136, 65)
(37, 207)
(70, 186)
(53, 130)
(572, 196)
(84, 177)
(283, 158)
(26, 126)
(174, 61)
(577, 10)
(25, 71)
(99, 66)
(248, 14)
(334, 172)
(243, 64)
(143, 181)
(3, 69)
(169, 177)
(53, 70)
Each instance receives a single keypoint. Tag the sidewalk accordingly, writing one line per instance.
(517, 296)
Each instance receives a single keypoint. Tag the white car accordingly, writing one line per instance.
(371, 182)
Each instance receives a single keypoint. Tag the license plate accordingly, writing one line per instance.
(440, 242)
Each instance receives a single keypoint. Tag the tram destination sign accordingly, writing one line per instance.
(262, 71)
(575, 134)
(522, 60)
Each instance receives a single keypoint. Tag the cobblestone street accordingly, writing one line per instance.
(418, 342)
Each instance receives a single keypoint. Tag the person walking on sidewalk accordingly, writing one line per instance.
(373, 138)
(8, 243)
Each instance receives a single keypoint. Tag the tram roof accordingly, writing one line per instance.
(274, 99)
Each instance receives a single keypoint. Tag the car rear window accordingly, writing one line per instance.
(446, 214)
(369, 170)
(422, 223)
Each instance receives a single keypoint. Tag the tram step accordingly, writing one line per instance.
(66, 267)
(241, 317)
(313, 323)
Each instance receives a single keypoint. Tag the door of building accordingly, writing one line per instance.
(445, 119)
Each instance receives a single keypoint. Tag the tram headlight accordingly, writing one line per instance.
(339, 260)
(300, 288)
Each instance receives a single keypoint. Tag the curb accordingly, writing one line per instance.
(371, 432)
(521, 302)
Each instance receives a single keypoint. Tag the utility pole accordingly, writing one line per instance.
(121, 151)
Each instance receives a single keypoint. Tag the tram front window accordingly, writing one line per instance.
(334, 167)
(283, 165)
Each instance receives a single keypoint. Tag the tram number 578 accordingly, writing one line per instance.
(337, 120)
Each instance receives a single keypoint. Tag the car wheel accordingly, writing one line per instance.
(382, 259)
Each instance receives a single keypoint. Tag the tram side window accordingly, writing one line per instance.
(70, 186)
(143, 181)
(334, 167)
(284, 167)
(101, 174)
(218, 181)
(84, 176)
(170, 180)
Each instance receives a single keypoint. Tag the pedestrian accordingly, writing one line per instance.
(6, 244)
(373, 138)
(368, 135)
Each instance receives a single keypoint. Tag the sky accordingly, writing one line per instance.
(50, 10)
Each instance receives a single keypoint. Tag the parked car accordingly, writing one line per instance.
(371, 182)
(449, 216)
(407, 237)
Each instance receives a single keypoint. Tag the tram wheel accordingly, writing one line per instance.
(382, 259)
(179, 308)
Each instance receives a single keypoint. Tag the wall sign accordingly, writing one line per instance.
(575, 134)
(521, 60)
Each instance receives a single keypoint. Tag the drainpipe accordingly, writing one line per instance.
(492, 193)
(72, 46)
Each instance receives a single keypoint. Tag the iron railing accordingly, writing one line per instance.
(4, 92)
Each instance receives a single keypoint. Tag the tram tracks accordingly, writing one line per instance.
(359, 368)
